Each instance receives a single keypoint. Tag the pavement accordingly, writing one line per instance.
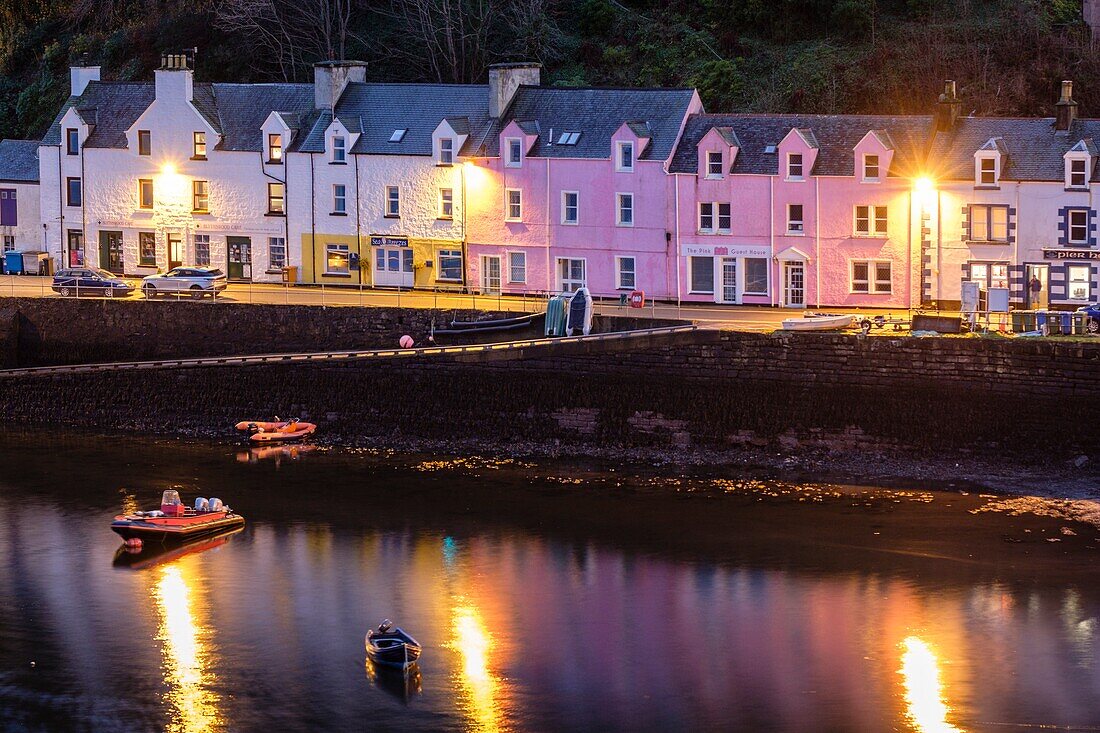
(730, 317)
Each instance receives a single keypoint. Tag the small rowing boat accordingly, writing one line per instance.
(281, 431)
(391, 646)
(818, 322)
(175, 522)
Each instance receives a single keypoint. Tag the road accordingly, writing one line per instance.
(741, 318)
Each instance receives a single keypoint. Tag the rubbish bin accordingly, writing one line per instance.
(290, 274)
(33, 263)
(1067, 322)
(13, 263)
(1080, 323)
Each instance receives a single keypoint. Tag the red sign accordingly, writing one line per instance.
(637, 299)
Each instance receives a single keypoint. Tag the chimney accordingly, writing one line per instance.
(330, 78)
(505, 79)
(79, 76)
(949, 107)
(175, 77)
(1065, 112)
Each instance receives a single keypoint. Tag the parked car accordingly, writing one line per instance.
(90, 281)
(1092, 317)
(193, 281)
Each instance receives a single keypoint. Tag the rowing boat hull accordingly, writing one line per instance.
(817, 323)
(169, 529)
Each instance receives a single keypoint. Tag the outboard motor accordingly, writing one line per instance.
(201, 504)
(215, 505)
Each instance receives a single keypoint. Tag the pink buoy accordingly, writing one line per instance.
(133, 542)
(406, 341)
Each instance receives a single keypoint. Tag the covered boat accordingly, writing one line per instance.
(280, 431)
(818, 322)
(391, 646)
(175, 522)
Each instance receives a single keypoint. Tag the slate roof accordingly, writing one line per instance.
(596, 114)
(1034, 150)
(836, 136)
(19, 161)
(111, 106)
(379, 109)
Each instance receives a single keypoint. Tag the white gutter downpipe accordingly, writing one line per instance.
(817, 240)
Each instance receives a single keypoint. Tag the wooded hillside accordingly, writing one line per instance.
(744, 55)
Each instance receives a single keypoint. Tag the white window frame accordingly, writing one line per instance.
(513, 145)
(1087, 282)
(711, 172)
(979, 171)
(801, 222)
(510, 213)
(707, 217)
(393, 202)
(801, 164)
(632, 272)
(517, 263)
(990, 234)
(339, 152)
(692, 260)
(446, 203)
(743, 275)
(576, 207)
(622, 146)
(339, 199)
(620, 197)
(870, 214)
(877, 178)
(582, 283)
(1083, 226)
(204, 241)
(339, 247)
(446, 151)
(449, 253)
(872, 285)
(1083, 160)
(274, 244)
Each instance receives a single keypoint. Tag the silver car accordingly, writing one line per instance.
(193, 281)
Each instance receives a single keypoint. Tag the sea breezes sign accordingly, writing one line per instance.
(1071, 254)
(377, 240)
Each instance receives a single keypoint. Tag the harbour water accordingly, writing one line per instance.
(547, 597)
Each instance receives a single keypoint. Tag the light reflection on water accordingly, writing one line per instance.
(477, 683)
(925, 703)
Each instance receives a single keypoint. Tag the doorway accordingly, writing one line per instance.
(729, 279)
(175, 251)
(393, 266)
(490, 274)
(75, 248)
(794, 285)
(240, 258)
(1041, 299)
(110, 251)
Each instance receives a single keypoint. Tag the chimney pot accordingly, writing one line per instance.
(1065, 111)
(949, 108)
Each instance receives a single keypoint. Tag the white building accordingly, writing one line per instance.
(20, 220)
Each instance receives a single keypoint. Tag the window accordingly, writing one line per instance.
(714, 217)
(446, 203)
(9, 213)
(869, 276)
(202, 249)
(76, 248)
(989, 275)
(571, 274)
(1077, 176)
(72, 141)
(625, 210)
(337, 259)
(145, 143)
(200, 196)
(988, 223)
(724, 218)
(871, 221)
(514, 147)
(570, 207)
(702, 274)
(624, 158)
(339, 149)
(706, 217)
(145, 193)
(339, 199)
(72, 191)
(198, 146)
(9, 243)
(795, 224)
(517, 267)
(513, 204)
(276, 199)
(393, 202)
(147, 249)
(568, 138)
(870, 167)
(624, 268)
(1078, 222)
(1077, 282)
(714, 164)
(756, 276)
(276, 253)
(794, 166)
(274, 148)
(398, 135)
(987, 171)
(450, 265)
(446, 151)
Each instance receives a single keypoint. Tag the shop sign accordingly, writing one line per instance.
(725, 250)
(1071, 254)
(377, 240)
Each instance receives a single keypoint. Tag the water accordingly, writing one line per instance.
(546, 598)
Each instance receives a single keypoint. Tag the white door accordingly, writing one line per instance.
(571, 275)
(729, 279)
(794, 284)
(393, 266)
(490, 274)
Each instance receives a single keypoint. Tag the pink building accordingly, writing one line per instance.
(569, 188)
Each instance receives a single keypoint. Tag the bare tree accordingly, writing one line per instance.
(448, 37)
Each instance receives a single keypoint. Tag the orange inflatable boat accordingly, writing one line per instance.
(276, 432)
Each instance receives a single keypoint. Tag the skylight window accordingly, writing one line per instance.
(770, 148)
(569, 138)
(398, 135)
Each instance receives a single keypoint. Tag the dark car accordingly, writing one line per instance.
(90, 281)
(1092, 315)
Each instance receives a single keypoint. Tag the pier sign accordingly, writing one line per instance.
(1071, 254)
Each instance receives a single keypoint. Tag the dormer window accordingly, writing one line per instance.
(870, 168)
(446, 151)
(339, 149)
(72, 141)
(145, 142)
(513, 148)
(987, 171)
(624, 157)
(275, 148)
(794, 166)
(1076, 173)
(714, 164)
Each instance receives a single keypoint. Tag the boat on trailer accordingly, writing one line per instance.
(818, 322)
(176, 522)
(391, 646)
(467, 328)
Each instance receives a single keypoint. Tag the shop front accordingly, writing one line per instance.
(392, 261)
(732, 274)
